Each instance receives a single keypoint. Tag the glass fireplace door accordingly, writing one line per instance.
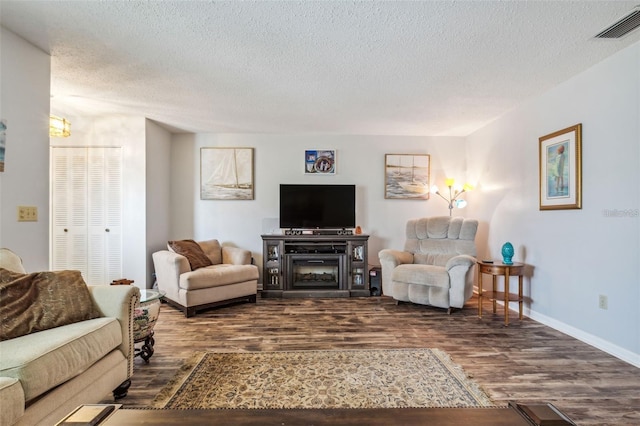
(316, 272)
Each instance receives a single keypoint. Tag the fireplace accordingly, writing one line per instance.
(315, 272)
(318, 265)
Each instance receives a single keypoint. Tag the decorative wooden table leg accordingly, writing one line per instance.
(495, 288)
(479, 294)
(520, 298)
(506, 297)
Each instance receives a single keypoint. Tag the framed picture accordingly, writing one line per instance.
(561, 169)
(226, 173)
(320, 161)
(406, 176)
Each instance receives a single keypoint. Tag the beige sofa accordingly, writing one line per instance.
(229, 277)
(46, 374)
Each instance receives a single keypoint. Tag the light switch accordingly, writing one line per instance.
(27, 214)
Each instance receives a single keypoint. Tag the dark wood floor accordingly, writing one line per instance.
(525, 362)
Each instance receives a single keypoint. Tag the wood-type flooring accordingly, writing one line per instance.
(526, 362)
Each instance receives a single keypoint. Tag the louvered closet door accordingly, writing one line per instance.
(105, 215)
(69, 209)
(87, 192)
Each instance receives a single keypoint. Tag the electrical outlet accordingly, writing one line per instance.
(603, 303)
(27, 214)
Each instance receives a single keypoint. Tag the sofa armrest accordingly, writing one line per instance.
(11, 400)
(170, 262)
(236, 256)
(389, 259)
(169, 266)
(460, 260)
(393, 258)
(460, 270)
(119, 302)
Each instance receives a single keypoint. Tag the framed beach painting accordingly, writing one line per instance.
(226, 174)
(561, 169)
(320, 161)
(406, 176)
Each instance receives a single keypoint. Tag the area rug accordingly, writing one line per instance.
(322, 379)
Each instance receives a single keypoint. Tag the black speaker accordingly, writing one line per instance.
(375, 281)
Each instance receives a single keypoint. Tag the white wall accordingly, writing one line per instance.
(280, 159)
(128, 133)
(24, 104)
(638, 130)
(577, 255)
(184, 171)
(158, 183)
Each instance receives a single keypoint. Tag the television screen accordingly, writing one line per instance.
(317, 206)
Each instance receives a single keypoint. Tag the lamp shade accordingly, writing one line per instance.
(59, 127)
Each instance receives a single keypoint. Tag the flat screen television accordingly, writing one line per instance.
(317, 206)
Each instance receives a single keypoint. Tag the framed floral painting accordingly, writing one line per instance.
(561, 169)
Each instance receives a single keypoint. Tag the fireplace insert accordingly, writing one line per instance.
(315, 272)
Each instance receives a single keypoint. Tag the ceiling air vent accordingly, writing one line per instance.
(623, 26)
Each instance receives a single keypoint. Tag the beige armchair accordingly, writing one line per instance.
(11, 261)
(205, 274)
(436, 266)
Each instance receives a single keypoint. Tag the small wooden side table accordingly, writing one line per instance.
(500, 269)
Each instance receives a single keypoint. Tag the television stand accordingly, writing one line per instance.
(332, 232)
(342, 231)
(315, 265)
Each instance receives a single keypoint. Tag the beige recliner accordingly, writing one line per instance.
(436, 266)
(229, 276)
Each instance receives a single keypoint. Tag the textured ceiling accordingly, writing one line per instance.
(323, 67)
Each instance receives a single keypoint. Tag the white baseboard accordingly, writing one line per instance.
(608, 347)
(595, 341)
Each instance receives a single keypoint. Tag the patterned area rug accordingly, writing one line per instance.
(322, 379)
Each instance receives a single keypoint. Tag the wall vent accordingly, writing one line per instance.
(623, 26)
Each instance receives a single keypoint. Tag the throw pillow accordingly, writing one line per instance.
(42, 300)
(192, 251)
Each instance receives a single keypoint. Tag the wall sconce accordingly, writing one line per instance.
(59, 127)
(455, 191)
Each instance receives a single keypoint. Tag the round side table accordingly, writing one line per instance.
(145, 317)
(495, 270)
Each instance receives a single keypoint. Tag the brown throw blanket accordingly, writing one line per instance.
(42, 300)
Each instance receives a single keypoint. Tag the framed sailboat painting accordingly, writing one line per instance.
(226, 174)
(406, 176)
